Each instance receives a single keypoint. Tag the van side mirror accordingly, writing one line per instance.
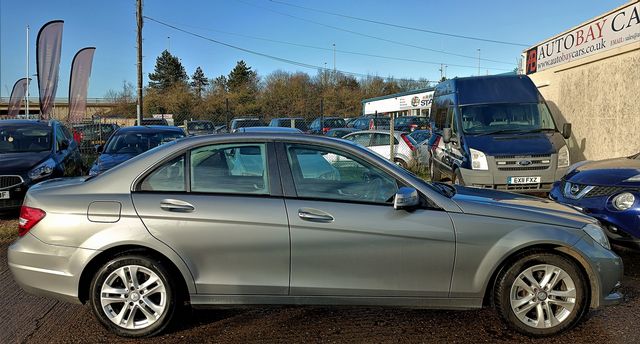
(64, 144)
(446, 135)
(566, 130)
(406, 198)
(99, 148)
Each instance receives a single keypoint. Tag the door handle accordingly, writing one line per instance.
(176, 205)
(309, 216)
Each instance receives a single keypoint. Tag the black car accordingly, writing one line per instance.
(411, 123)
(321, 126)
(289, 122)
(195, 128)
(33, 151)
(128, 142)
(371, 123)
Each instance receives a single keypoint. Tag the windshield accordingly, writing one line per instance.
(494, 118)
(136, 143)
(200, 126)
(334, 123)
(25, 139)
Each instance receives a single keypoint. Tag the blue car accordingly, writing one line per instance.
(128, 142)
(608, 190)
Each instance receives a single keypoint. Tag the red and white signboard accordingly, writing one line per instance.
(613, 30)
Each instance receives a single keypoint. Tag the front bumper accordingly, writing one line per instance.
(498, 180)
(47, 270)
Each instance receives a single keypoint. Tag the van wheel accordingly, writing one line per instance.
(400, 163)
(433, 172)
(457, 177)
(541, 294)
(133, 296)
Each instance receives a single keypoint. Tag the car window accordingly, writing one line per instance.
(322, 173)
(168, 178)
(59, 137)
(382, 140)
(233, 168)
(363, 139)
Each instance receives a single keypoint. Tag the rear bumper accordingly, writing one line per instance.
(498, 180)
(46, 270)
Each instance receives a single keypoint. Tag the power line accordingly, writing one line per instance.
(370, 36)
(280, 59)
(400, 26)
(330, 49)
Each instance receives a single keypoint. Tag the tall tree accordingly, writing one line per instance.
(242, 78)
(199, 81)
(168, 72)
(220, 84)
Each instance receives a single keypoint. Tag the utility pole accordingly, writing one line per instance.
(441, 71)
(478, 62)
(27, 93)
(139, 22)
(169, 44)
(334, 58)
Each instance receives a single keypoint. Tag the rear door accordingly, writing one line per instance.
(381, 145)
(220, 207)
(346, 237)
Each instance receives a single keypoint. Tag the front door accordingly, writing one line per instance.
(223, 217)
(346, 237)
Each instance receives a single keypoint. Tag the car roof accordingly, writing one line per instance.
(395, 132)
(23, 122)
(269, 130)
(150, 129)
(200, 121)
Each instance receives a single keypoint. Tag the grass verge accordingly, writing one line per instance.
(8, 229)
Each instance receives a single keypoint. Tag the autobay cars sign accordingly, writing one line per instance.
(616, 29)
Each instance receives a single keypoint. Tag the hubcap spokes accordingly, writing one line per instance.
(133, 297)
(543, 296)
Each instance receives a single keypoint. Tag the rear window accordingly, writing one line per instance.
(334, 123)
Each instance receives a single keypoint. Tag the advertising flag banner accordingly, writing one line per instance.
(79, 83)
(48, 49)
(17, 96)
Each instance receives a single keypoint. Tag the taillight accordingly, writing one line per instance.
(372, 125)
(408, 142)
(325, 130)
(29, 217)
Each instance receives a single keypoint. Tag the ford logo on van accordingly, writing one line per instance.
(524, 162)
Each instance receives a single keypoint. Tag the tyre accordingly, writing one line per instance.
(133, 296)
(541, 294)
(400, 163)
(457, 177)
(433, 171)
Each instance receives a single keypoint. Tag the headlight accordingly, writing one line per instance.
(45, 169)
(623, 201)
(597, 234)
(563, 157)
(635, 178)
(478, 160)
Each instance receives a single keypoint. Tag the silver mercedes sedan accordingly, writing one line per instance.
(263, 218)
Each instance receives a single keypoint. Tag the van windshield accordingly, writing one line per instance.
(513, 118)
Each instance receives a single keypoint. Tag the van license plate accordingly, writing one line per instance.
(524, 180)
(4, 194)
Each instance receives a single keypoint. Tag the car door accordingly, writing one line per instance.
(220, 207)
(346, 237)
(381, 145)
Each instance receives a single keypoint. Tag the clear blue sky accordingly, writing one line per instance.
(110, 26)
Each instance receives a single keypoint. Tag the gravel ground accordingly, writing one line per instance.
(30, 319)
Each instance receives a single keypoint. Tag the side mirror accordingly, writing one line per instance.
(566, 130)
(64, 144)
(406, 198)
(99, 148)
(446, 135)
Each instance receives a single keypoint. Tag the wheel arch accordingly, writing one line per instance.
(563, 251)
(103, 257)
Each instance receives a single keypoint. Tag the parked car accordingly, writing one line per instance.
(200, 127)
(371, 123)
(33, 151)
(299, 123)
(411, 123)
(244, 122)
(340, 132)
(89, 135)
(283, 130)
(321, 127)
(183, 224)
(608, 190)
(423, 147)
(128, 142)
(496, 132)
(379, 141)
(153, 121)
(420, 135)
(349, 120)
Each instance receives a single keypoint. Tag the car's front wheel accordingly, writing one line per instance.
(133, 296)
(541, 294)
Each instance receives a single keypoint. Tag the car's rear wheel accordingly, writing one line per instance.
(133, 296)
(400, 163)
(541, 294)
